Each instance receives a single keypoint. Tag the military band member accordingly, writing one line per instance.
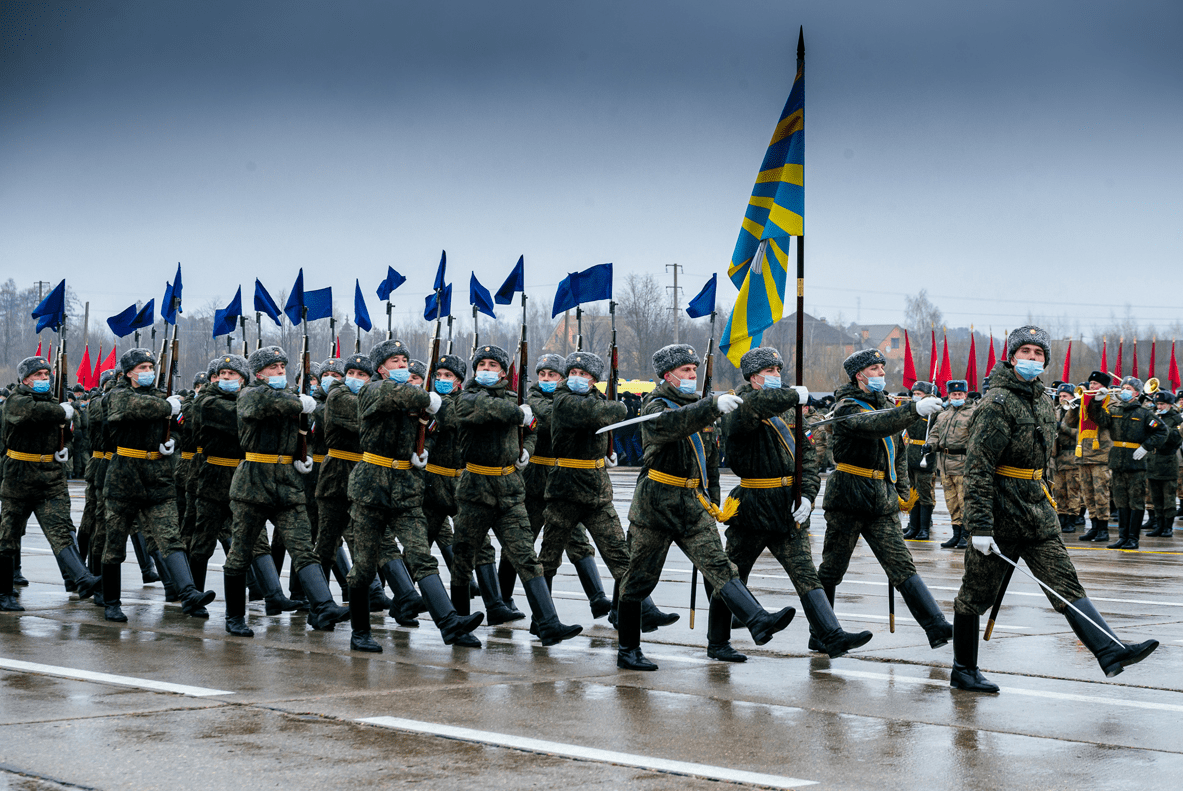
(1009, 511)
(1066, 491)
(950, 433)
(921, 476)
(1094, 443)
(1162, 466)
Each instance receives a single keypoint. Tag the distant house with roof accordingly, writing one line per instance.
(887, 338)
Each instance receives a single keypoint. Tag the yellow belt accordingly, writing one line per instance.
(16, 454)
(135, 453)
(1130, 445)
(1019, 472)
(385, 461)
(544, 461)
(673, 480)
(107, 455)
(222, 461)
(187, 455)
(447, 472)
(499, 472)
(200, 449)
(766, 483)
(581, 464)
(344, 455)
(916, 441)
(862, 472)
(318, 457)
(268, 458)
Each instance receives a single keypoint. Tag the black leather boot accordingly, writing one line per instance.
(323, 613)
(1151, 520)
(455, 626)
(267, 578)
(199, 565)
(85, 582)
(1167, 520)
(235, 587)
(761, 623)
(193, 601)
(652, 618)
(403, 605)
(824, 625)
(719, 633)
(1159, 524)
(1135, 531)
(67, 578)
(814, 643)
(1112, 658)
(340, 569)
(496, 610)
(628, 630)
(925, 610)
(507, 578)
(925, 521)
(1102, 527)
(359, 617)
(473, 589)
(112, 609)
(139, 545)
(170, 590)
(954, 540)
(913, 522)
(379, 601)
(1091, 533)
(1067, 524)
(550, 629)
(8, 598)
(1123, 528)
(965, 674)
(589, 578)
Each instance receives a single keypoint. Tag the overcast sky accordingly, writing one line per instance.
(1007, 156)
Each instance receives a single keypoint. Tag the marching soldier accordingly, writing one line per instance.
(315, 451)
(917, 436)
(864, 493)
(332, 371)
(950, 433)
(1009, 512)
(1094, 443)
(1067, 481)
(1162, 466)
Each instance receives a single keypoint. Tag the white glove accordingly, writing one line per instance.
(69, 410)
(62, 455)
(303, 467)
(307, 404)
(728, 402)
(803, 511)
(802, 394)
(985, 545)
(610, 459)
(928, 406)
(167, 448)
(436, 403)
(175, 402)
(1140, 453)
(524, 459)
(527, 414)
(417, 461)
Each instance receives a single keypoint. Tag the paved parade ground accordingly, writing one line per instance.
(165, 701)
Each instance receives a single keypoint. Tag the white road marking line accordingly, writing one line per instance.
(527, 744)
(858, 616)
(107, 678)
(588, 649)
(1033, 693)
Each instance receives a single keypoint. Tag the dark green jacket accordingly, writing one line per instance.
(1163, 462)
(489, 418)
(574, 420)
(215, 412)
(32, 424)
(918, 431)
(443, 445)
(860, 442)
(340, 431)
(1131, 423)
(268, 422)
(536, 475)
(136, 417)
(389, 424)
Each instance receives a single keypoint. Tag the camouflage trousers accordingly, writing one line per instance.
(214, 525)
(1129, 489)
(1046, 558)
(954, 488)
(923, 484)
(187, 506)
(336, 526)
(883, 536)
(1066, 490)
(250, 520)
(578, 546)
(744, 546)
(310, 481)
(510, 523)
(53, 514)
(1094, 489)
(563, 524)
(439, 531)
(182, 472)
(91, 510)
(377, 533)
(649, 545)
(1162, 499)
(158, 521)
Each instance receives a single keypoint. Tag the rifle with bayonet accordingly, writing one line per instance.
(304, 388)
(60, 391)
(170, 370)
(708, 369)
(424, 418)
(613, 369)
(523, 358)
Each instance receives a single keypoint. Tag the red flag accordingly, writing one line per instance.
(971, 366)
(944, 375)
(1120, 348)
(82, 375)
(38, 354)
(337, 349)
(108, 364)
(1134, 373)
(991, 360)
(1173, 370)
(1067, 377)
(98, 362)
(1104, 356)
(1150, 371)
(909, 366)
(932, 358)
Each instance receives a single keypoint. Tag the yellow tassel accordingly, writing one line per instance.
(913, 498)
(730, 508)
(712, 509)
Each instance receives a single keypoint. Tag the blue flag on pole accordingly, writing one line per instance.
(51, 311)
(129, 320)
(479, 295)
(264, 303)
(319, 303)
(430, 311)
(226, 319)
(295, 304)
(393, 280)
(589, 285)
(704, 303)
(513, 284)
(439, 273)
(172, 293)
(361, 315)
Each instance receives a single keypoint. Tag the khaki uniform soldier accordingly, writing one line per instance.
(761, 446)
(916, 437)
(950, 434)
(676, 502)
(492, 493)
(1162, 467)
(863, 494)
(267, 486)
(35, 479)
(821, 435)
(140, 483)
(1093, 443)
(1009, 511)
(1066, 491)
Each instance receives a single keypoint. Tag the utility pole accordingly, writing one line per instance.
(675, 308)
(86, 325)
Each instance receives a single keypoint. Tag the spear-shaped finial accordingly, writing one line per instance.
(801, 44)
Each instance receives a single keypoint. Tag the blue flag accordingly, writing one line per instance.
(589, 285)
(439, 273)
(51, 311)
(172, 292)
(361, 315)
(513, 284)
(704, 303)
(478, 295)
(226, 319)
(319, 303)
(429, 310)
(295, 305)
(264, 303)
(393, 280)
(129, 321)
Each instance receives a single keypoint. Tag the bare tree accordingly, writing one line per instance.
(920, 314)
(642, 310)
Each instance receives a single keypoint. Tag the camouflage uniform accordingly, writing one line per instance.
(189, 444)
(339, 427)
(915, 437)
(540, 472)
(92, 531)
(215, 413)
(81, 451)
(950, 434)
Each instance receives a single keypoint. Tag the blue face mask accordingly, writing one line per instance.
(41, 386)
(771, 382)
(956, 402)
(400, 375)
(1126, 395)
(278, 382)
(229, 385)
(876, 383)
(549, 387)
(146, 378)
(578, 384)
(312, 389)
(1028, 369)
(487, 378)
(688, 386)
(353, 383)
(444, 386)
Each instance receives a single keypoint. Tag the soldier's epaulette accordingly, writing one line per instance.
(1000, 398)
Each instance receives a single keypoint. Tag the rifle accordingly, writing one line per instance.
(60, 392)
(613, 367)
(708, 368)
(449, 340)
(523, 358)
(171, 370)
(242, 325)
(305, 376)
(258, 333)
(424, 418)
(476, 333)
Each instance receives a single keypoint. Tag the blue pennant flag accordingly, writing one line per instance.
(430, 311)
(393, 280)
(264, 303)
(589, 285)
(478, 295)
(51, 312)
(439, 273)
(361, 315)
(704, 303)
(172, 293)
(513, 284)
(129, 321)
(319, 303)
(295, 305)
(226, 319)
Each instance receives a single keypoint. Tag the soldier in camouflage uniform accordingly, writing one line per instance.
(1093, 463)
(492, 493)
(761, 445)
(92, 531)
(1162, 467)
(949, 435)
(331, 371)
(1009, 511)
(863, 495)
(676, 501)
(81, 453)
(34, 479)
(1067, 487)
(267, 486)
(140, 484)
(915, 438)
